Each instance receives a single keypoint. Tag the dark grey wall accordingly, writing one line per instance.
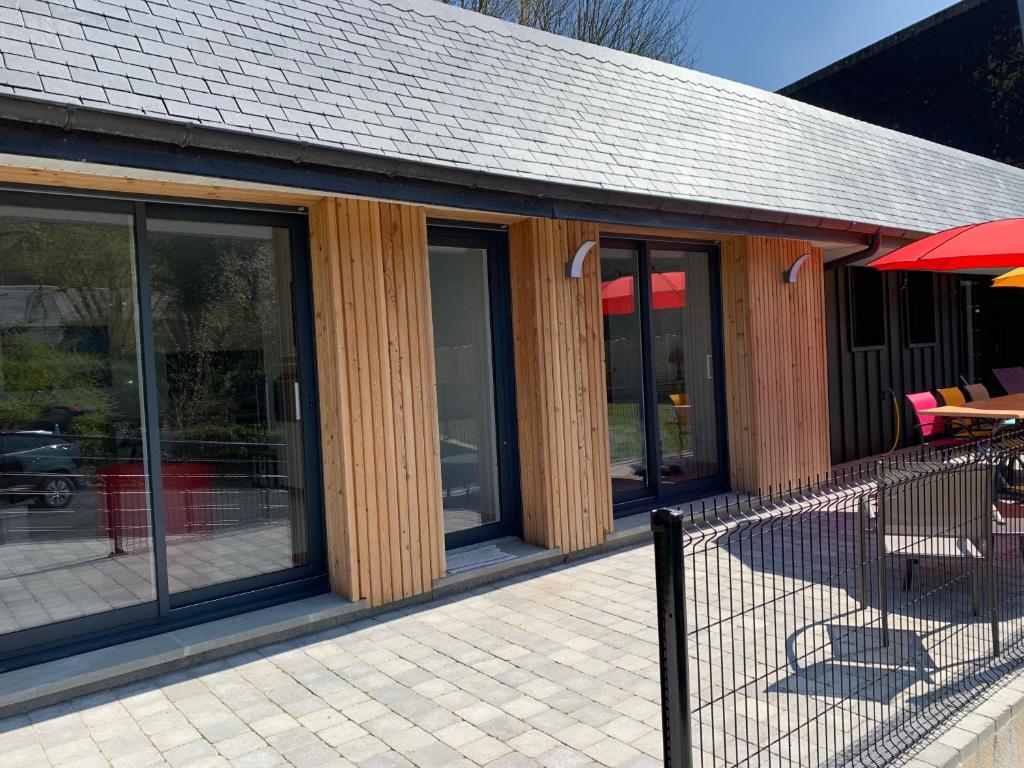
(862, 421)
(955, 78)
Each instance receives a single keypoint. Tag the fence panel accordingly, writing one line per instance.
(841, 622)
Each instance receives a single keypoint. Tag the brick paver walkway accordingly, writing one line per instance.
(556, 670)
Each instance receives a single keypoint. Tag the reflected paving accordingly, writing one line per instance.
(42, 582)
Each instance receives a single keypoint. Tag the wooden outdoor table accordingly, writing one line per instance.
(995, 410)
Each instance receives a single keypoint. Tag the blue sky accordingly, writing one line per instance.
(771, 43)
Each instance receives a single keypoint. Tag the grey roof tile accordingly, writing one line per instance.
(423, 81)
(64, 87)
(102, 79)
(37, 66)
(135, 102)
(15, 47)
(120, 68)
(14, 79)
(15, 31)
(115, 41)
(189, 110)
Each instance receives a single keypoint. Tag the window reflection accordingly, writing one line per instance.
(460, 291)
(684, 368)
(620, 279)
(70, 419)
(229, 402)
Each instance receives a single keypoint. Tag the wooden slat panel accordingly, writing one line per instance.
(776, 388)
(379, 404)
(343, 564)
(560, 386)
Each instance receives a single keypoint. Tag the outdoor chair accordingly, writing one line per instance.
(932, 429)
(963, 427)
(976, 392)
(936, 512)
(682, 409)
(951, 396)
(1011, 379)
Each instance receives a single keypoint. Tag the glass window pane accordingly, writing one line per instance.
(620, 281)
(684, 365)
(74, 502)
(919, 304)
(460, 291)
(867, 307)
(229, 400)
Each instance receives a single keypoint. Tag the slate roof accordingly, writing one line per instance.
(423, 81)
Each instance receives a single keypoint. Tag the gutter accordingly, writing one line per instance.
(873, 247)
(86, 134)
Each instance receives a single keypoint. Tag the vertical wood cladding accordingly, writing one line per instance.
(776, 387)
(378, 399)
(560, 386)
(378, 402)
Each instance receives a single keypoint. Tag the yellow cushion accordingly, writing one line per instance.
(952, 396)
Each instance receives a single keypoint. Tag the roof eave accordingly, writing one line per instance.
(535, 196)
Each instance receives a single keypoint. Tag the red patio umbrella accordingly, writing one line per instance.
(993, 244)
(668, 291)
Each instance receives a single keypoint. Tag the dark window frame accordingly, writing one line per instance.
(169, 611)
(852, 303)
(656, 493)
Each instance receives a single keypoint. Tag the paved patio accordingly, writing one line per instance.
(559, 669)
(556, 670)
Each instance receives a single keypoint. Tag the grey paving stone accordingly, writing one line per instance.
(337, 697)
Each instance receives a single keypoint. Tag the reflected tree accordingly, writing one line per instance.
(67, 323)
(657, 29)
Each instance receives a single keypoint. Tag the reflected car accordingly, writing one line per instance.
(39, 468)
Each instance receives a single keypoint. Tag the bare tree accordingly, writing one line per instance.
(658, 29)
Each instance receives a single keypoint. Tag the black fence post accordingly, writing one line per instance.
(667, 526)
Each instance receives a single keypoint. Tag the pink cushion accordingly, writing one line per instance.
(931, 426)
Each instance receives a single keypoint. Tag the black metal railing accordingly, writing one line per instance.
(841, 622)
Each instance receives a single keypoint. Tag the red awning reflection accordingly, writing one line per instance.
(668, 291)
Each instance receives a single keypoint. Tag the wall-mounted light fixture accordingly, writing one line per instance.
(574, 268)
(790, 275)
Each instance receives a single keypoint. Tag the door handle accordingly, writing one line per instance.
(709, 367)
(298, 401)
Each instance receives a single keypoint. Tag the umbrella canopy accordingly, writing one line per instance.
(1012, 279)
(975, 246)
(668, 291)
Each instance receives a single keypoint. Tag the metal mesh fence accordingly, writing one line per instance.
(841, 622)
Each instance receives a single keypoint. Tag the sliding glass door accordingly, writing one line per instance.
(157, 415)
(229, 397)
(71, 410)
(684, 365)
(662, 358)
